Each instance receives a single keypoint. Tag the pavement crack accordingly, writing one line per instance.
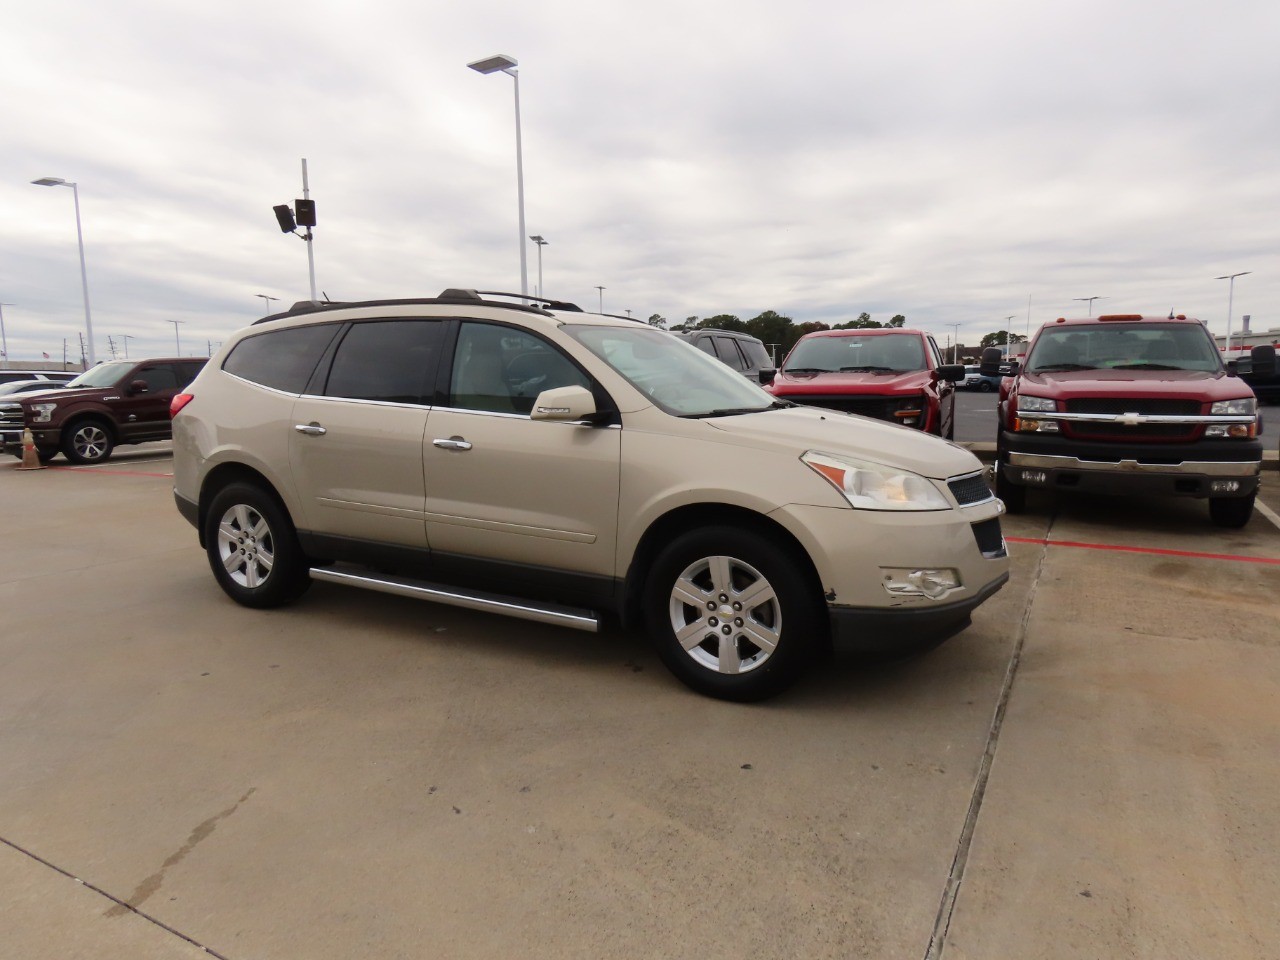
(955, 877)
(151, 884)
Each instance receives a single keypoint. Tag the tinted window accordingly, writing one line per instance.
(503, 369)
(757, 355)
(727, 351)
(281, 359)
(705, 345)
(157, 378)
(187, 372)
(389, 360)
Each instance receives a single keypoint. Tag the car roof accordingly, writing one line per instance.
(1118, 318)
(864, 331)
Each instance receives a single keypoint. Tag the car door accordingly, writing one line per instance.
(143, 414)
(355, 445)
(522, 495)
(946, 392)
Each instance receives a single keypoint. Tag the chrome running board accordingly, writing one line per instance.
(572, 617)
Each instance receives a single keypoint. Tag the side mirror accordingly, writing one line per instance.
(953, 372)
(767, 374)
(137, 386)
(565, 404)
(992, 357)
(1264, 360)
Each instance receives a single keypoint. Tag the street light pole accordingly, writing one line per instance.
(1231, 290)
(1008, 337)
(601, 289)
(541, 242)
(4, 340)
(176, 342)
(955, 344)
(501, 63)
(84, 276)
(1090, 300)
(266, 301)
(126, 337)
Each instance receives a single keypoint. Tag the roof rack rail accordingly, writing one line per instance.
(450, 295)
(547, 303)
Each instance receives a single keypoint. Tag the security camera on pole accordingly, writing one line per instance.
(303, 214)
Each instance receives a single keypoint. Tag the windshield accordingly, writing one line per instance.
(874, 353)
(103, 375)
(678, 377)
(1124, 346)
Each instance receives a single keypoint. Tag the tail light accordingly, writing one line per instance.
(179, 401)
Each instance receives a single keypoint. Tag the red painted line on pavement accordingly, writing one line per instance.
(117, 473)
(1152, 550)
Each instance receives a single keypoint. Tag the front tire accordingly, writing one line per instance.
(253, 548)
(733, 615)
(1231, 512)
(87, 441)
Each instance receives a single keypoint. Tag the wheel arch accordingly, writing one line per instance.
(691, 517)
(223, 476)
(103, 419)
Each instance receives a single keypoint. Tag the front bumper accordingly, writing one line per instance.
(881, 630)
(1180, 470)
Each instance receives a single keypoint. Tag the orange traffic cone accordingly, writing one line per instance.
(30, 459)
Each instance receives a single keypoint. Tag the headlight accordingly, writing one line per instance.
(44, 411)
(1036, 404)
(1247, 407)
(874, 486)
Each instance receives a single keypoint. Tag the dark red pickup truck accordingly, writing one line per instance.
(121, 401)
(1130, 404)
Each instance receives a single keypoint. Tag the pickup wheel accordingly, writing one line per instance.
(253, 548)
(1232, 512)
(87, 440)
(732, 614)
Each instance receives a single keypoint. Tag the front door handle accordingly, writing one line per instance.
(453, 443)
(311, 429)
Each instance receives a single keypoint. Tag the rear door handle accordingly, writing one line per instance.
(453, 443)
(311, 429)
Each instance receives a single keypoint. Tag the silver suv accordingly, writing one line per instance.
(546, 463)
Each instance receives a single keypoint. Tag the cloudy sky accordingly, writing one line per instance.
(958, 162)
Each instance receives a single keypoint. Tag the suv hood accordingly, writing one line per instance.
(830, 431)
(852, 382)
(1206, 387)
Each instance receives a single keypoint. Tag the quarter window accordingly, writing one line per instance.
(281, 359)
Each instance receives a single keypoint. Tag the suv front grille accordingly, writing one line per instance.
(970, 489)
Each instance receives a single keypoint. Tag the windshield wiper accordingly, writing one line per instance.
(807, 370)
(1144, 366)
(736, 411)
(1062, 367)
(866, 369)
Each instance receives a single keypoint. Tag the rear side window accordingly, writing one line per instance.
(393, 361)
(281, 359)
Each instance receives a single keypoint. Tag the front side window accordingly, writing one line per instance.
(678, 378)
(157, 378)
(393, 361)
(281, 359)
(503, 369)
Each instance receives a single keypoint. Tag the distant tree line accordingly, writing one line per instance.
(773, 328)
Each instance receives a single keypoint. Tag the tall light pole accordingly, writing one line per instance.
(541, 242)
(84, 277)
(126, 337)
(1090, 300)
(4, 340)
(601, 289)
(955, 344)
(266, 301)
(1008, 337)
(501, 63)
(1231, 290)
(176, 342)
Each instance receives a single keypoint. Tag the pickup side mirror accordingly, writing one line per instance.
(992, 358)
(1264, 360)
(137, 386)
(565, 404)
(767, 374)
(954, 372)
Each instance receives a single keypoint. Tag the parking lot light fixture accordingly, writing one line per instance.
(266, 301)
(501, 63)
(1231, 290)
(1090, 301)
(541, 242)
(84, 277)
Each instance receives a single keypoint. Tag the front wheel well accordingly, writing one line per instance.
(224, 475)
(693, 516)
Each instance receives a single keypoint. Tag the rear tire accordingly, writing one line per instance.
(1231, 512)
(732, 614)
(253, 548)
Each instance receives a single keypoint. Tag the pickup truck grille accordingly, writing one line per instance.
(1118, 406)
(11, 416)
(878, 408)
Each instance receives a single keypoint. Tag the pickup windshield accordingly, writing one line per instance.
(857, 352)
(1124, 346)
(103, 375)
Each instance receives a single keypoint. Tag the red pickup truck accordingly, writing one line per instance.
(1130, 404)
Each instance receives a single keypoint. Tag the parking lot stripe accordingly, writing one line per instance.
(1149, 550)
(1268, 513)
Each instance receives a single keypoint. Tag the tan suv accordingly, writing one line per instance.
(555, 465)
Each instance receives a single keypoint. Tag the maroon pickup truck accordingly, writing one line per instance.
(122, 401)
(1128, 404)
